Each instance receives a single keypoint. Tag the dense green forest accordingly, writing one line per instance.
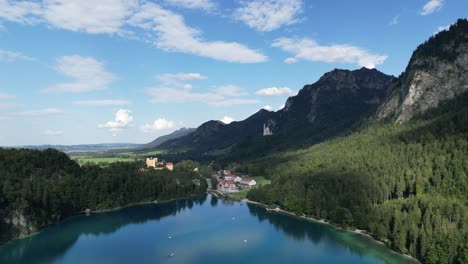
(406, 184)
(46, 186)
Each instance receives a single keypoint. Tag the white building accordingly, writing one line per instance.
(248, 181)
(267, 131)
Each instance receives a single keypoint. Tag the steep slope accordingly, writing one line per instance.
(337, 101)
(404, 181)
(160, 140)
(332, 105)
(215, 135)
(437, 71)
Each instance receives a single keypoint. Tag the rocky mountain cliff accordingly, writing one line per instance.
(339, 100)
(437, 71)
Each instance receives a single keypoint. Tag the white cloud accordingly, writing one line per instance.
(166, 95)
(170, 78)
(42, 112)
(102, 102)
(172, 34)
(431, 7)
(308, 49)
(281, 106)
(193, 4)
(230, 90)
(275, 91)
(231, 102)
(10, 56)
(188, 86)
(4, 106)
(227, 120)
(160, 27)
(158, 124)
(53, 132)
(395, 20)
(25, 12)
(442, 28)
(219, 96)
(7, 96)
(290, 60)
(268, 108)
(122, 120)
(104, 16)
(88, 75)
(268, 15)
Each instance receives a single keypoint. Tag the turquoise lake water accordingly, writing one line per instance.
(196, 230)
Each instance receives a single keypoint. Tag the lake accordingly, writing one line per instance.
(196, 230)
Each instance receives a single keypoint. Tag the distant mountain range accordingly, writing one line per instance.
(85, 147)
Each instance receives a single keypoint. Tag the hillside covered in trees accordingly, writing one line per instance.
(406, 184)
(38, 188)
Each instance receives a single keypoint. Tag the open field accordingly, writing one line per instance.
(96, 160)
(261, 180)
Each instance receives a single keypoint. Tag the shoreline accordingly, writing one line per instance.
(83, 213)
(321, 221)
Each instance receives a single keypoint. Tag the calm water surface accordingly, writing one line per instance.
(201, 230)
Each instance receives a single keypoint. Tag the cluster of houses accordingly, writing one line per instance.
(153, 163)
(228, 182)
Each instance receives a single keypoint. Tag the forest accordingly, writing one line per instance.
(405, 184)
(46, 186)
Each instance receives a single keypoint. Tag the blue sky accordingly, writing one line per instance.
(74, 72)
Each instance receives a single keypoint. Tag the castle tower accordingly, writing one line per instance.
(266, 131)
(151, 162)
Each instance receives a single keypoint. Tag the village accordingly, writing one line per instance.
(230, 183)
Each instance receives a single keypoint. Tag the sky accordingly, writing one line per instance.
(86, 71)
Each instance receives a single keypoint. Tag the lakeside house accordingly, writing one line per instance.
(227, 186)
(229, 176)
(248, 181)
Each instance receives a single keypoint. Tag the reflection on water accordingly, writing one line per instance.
(56, 240)
(300, 229)
(218, 228)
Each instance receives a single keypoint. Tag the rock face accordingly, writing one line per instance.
(338, 99)
(437, 71)
(341, 99)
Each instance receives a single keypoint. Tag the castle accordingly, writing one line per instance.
(267, 131)
(153, 162)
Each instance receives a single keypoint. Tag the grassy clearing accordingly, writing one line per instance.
(238, 195)
(261, 180)
(87, 159)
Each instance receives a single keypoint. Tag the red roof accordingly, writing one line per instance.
(247, 179)
(227, 182)
(169, 163)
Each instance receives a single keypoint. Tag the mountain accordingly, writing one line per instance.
(402, 177)
(333, 104)
(336, 102)
(341, 101)
(85, 147)
(437, 71)
(216, 135)
(160, 140)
